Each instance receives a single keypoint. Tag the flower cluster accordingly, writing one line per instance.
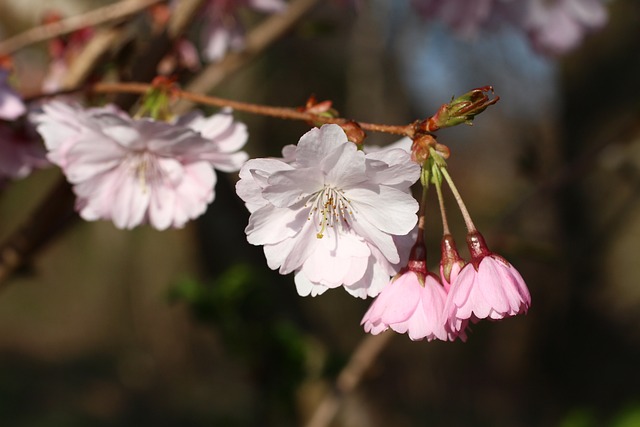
(135, 171)
(331, 213)
(553, 26)
(424, 306)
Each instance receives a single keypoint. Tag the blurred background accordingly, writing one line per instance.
(104, 327)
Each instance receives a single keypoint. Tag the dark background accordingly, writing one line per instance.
(189, 327)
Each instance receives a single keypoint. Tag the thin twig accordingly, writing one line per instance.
(104, 14)
(349, 378)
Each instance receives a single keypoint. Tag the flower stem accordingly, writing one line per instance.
(463, 209)
(422, 214)
(443, 212)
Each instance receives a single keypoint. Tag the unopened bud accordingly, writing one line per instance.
(462, 109)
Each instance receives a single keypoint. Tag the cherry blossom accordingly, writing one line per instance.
(487, 287)
(331, 213)
(140, 171)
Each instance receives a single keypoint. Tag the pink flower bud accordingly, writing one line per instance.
(409, 305)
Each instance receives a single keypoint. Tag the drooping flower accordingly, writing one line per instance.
(412, 303)
(11, 106)
(487, 287)
(409, 305)
(222, 29)
(330, 213)
(140, 171)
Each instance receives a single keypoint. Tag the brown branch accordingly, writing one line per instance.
(112, 12)
(50, 217)
(349, 378)
(265, 110)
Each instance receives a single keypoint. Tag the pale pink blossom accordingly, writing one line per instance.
(140, 171)
(487, 287)
(222, 29)
(11, 105)
(330, 213)
(20, 152)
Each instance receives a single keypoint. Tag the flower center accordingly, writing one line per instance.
(330, 209)
(145, 167)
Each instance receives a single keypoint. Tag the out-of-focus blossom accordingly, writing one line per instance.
(222, 28)
(558, 26)
(554, 27)
(487, 287)
(330, 213)
(138, 171)
(466, 17)
(20, 153)
(11, 105)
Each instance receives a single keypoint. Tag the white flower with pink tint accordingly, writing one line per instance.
(11, 106)
(222, 28)
(486, 288)
(140, 171)
(330, 213)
